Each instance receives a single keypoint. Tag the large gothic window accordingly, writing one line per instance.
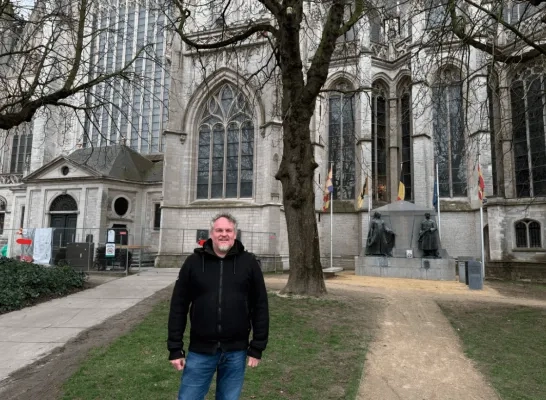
(493, 102)
(21, 149)
(3, 209)
(226, 147)
(527, 98)
(379, 143)
(405, 131)
(448, 130)
(341, 142)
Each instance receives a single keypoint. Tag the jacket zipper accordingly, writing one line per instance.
(219, 327)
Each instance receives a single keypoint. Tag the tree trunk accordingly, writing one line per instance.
(296, 173)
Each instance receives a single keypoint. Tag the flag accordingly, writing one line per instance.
(363, 193)
(401, 191)
(401, 186)
(481, 185)
(435, 197)
(328, 188)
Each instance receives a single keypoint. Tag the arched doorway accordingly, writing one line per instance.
(64, 215)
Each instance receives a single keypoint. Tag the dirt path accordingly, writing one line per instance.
(417, 355)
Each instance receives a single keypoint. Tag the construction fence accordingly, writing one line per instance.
(117, 250)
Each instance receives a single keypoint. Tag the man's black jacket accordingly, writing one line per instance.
(226, 298)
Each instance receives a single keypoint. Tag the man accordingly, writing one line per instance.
(222, 286)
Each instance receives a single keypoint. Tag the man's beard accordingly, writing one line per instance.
(224, 247)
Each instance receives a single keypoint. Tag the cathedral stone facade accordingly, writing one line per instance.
(395, 108)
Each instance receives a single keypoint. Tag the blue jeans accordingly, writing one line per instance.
(200, 368)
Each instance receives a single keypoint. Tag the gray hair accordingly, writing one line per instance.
(227, 216)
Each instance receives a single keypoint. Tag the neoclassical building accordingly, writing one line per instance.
(404, 101)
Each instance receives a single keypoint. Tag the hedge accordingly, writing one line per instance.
(23, 284)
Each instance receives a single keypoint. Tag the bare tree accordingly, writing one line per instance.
(48, 54)
(284, 25)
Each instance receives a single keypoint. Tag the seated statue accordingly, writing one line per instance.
(380, 238)
(429, 241)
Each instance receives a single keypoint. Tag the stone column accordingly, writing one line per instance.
(423, 146)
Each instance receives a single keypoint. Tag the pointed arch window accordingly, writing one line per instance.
(448, 131)
(21, 149)
(528, 132)
(379, 142)
(3, 209)
(528, 234)
(341, 141)
(226, 147)
(405, 133)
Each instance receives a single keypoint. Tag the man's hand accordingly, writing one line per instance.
(253, 362)
(178, 364)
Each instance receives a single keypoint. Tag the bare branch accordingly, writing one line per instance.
(499, 54)
(239, 37)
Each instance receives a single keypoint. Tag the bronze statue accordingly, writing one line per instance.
(429, 241)
(380, 238)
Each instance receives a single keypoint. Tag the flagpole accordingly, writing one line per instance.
(481, 220)
(370, 194)
(331, 222)
(438, 202)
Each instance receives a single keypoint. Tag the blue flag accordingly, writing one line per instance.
(435, 197)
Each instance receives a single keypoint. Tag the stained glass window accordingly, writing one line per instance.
(341, 142)
(379, 143)
(527, 99)
(226, 147)
(448, 131)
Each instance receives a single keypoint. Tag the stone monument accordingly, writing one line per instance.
(416, 246)
(380, 239)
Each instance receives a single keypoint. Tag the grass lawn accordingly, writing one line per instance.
(507, 342)
(316, 351)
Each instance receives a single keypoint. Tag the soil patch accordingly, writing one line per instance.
(43, 379)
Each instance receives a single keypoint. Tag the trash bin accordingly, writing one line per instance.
(462, 266)
(475, 276)
(462, 271)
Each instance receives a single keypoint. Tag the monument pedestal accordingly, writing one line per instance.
(407, 261)
(437, 269)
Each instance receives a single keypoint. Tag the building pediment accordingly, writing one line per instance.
(61, 168)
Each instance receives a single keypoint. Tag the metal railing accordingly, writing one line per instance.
(87, 248)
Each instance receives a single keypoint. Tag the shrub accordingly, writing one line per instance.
(23, 284)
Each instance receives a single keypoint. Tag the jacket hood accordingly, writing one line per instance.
(236, 249)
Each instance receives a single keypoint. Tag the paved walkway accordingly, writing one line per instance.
(32, 333)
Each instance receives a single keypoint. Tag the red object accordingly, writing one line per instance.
(26, 258)
(481, 184)
(23, 240)
(123, 233)
(202, 242)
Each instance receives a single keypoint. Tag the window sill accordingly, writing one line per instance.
(529, 250)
